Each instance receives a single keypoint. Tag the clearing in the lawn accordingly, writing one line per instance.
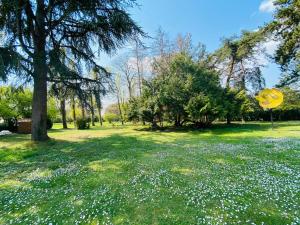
(243, 174)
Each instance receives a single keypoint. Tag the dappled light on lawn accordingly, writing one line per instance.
(238, 175)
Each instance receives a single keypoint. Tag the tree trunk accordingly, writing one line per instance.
(230, 73)
(130, 91)
(73, 110)
(129, 85)
(39, 100)
(120, 110)
(138, 68)
(82, 109)
(63, 113)
(243, 79)
(138, 51)
(39, 105)
(92, 111)
(228, 119)
(161, 121)
(100, 117)
(98, 103)
(177, 121)
(154, 125)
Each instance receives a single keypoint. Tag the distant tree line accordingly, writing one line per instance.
(62, 107)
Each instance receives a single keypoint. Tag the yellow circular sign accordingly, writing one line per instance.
(270, 98)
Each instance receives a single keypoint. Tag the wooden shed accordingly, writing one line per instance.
(24, 126)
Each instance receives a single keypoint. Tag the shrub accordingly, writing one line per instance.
(202, 110)
(111, 117)
(3, 126)
(9, 124)
(12, 124)
(57, 120)
(82, 124)
(96, 119)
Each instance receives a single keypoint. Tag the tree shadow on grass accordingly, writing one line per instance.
(222, 128)
(57, 153)
(85, 167)
(14, 138)
(62, 177)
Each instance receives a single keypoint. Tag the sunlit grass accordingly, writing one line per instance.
(242, 174)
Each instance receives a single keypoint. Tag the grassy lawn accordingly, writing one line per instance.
(243, 174)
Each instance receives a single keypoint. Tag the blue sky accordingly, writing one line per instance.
(207, 21)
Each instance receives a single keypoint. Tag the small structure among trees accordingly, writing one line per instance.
(24, 126)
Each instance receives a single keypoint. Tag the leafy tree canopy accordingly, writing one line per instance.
(286, 29)
(15, 102)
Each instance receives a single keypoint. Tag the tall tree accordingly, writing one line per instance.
(237, 60)
(118, 92)
(97, 95)
(184, 44)
(73, 106)
(60, 92)
(37, 30)
(126, 69)
(139, 55)
(162, 52)
(161, 46)
(92, 110)
(100, 89)
(285, 28)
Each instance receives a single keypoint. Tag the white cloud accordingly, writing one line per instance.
(267, 6)
(270, 46)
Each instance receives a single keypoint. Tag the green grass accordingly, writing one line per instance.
(243, 174)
